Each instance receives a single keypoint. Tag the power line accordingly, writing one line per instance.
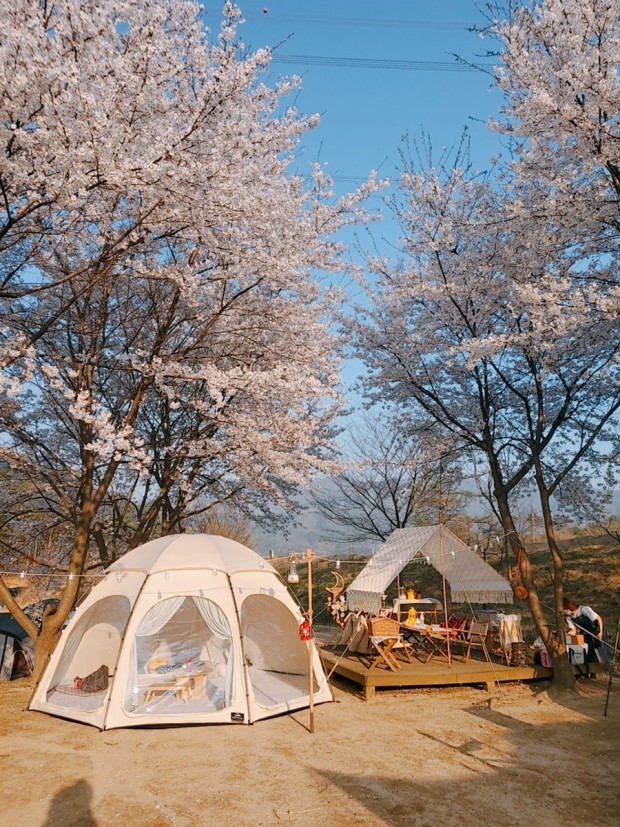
(379, 63)
(354, 22)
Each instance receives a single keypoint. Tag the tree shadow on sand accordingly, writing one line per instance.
(493, 768)
(71, 807)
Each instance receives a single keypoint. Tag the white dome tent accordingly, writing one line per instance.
(185, 629)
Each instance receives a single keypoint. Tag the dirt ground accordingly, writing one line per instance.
(424, 757)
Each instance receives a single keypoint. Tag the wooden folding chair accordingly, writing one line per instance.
(385, 641)
(475, 637)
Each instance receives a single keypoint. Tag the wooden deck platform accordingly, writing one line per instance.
(436, 672)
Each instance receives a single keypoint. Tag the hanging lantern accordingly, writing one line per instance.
(293, 577)
(305, 630)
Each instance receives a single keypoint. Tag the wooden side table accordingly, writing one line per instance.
(184, 688)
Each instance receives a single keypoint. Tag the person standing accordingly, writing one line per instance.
(590, 624)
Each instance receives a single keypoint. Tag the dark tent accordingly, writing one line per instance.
(15, 649)
(9, 626)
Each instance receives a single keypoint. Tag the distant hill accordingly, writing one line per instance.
(314, 531)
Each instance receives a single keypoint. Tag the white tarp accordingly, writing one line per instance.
(469, 577)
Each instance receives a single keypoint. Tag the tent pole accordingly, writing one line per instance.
(611, 666)
(445, 598)
(309, 556)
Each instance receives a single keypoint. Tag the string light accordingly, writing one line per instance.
(297, 554)
(23, 575)
(499, 538)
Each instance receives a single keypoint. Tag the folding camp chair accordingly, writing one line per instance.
(475, 637)
(385, 641)
(510, 636)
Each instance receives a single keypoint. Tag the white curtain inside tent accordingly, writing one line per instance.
(215, 618)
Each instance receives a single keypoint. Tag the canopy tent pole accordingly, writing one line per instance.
(611, 666)
(445, 595)
(309, 556)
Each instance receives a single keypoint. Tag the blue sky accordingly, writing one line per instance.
(391, 71)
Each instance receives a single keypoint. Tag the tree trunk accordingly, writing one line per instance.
(554, 641)
(44, 645)
(563, 672)
(54, 619)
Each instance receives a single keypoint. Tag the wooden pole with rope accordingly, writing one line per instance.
(309, 556)
(612, 666)
(445, 594)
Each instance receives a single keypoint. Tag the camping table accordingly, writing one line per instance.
(433, 641)
(422, 605)
(184, 688)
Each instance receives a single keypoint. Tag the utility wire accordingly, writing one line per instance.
(356, 22)
(379, 63)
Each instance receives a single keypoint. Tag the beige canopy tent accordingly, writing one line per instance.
(469, 577)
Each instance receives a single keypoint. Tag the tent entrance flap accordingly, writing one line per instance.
(469, 577)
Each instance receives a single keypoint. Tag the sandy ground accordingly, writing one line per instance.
(424, 757)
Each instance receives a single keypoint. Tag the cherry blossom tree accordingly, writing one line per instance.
(491, 329)
(500, 323)
(559, 76)
(391, 478)
(165, 341)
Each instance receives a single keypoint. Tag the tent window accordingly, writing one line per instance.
(277, 660)
(94, 641)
